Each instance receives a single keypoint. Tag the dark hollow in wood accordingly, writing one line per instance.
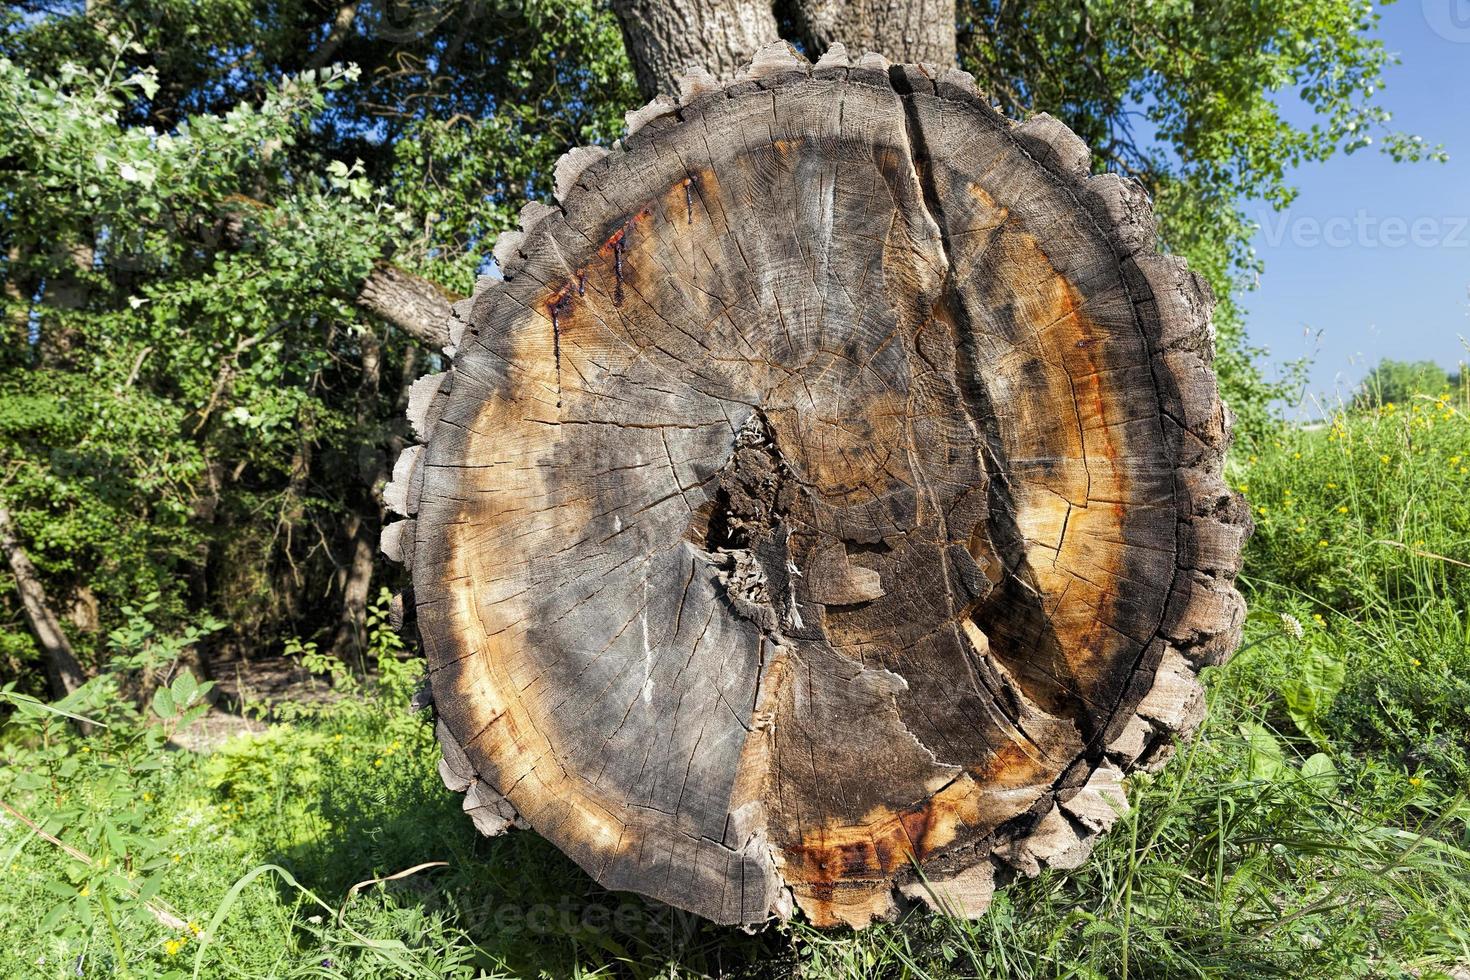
(830, 490)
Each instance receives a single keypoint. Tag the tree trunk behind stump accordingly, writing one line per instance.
(831, 487)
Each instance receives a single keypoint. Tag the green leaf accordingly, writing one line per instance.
(184, 688)
(1267, 761)
(83, 905)
(1310, 694)
(163, 704)
(1321, 772)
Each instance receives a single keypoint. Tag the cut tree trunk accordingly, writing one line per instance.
(63, 672)
(830, 493)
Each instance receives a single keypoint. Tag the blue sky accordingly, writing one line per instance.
(1387, 270)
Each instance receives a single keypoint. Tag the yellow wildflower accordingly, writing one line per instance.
(1245, 487)
(194, 928)
(1322, 543)
(1342, 510)
(378, 763)
(172, 946)
(86, 890)
(1317, 617)
(1261, 510)
(1415, 781)
(1454, 460)
(1414, 662)
(1296, 455)
(1332, 486)
(1383, 459)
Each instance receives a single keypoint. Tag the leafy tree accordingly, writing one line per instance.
(191, 401)
(1188, 98)
(1398, 381)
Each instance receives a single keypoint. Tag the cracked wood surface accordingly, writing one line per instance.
(830, 490)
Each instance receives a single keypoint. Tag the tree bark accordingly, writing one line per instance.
(372, 468)
(665, 39)
(411, 303)
(831, 492)
(65, 291)
(336, 34)
(63, 672)
(350, 638)
(914, 31)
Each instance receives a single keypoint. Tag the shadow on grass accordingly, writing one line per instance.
(518, 902)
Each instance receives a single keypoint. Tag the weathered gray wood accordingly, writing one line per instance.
(411, 303)
(831, 487)
(915, 31)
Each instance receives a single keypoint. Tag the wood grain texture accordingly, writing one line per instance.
(830, 490)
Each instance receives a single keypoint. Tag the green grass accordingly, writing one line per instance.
(1317, 828)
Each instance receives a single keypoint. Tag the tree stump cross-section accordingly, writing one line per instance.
(826, 508)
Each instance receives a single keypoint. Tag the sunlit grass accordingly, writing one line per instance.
(1318, 827)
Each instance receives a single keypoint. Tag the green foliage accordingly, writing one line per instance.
(1189, 100)
(1308, 696)
(107, 877)
(1396, 382)
(191, 403)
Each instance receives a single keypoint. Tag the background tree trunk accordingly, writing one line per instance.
(914, 31)
(666, 39)
(63, 672)
(832, 486)
(350, 637)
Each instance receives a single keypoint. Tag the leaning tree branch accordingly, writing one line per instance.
(411, 303)
(63, 671)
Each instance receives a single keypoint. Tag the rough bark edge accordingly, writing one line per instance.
(1204, 614)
